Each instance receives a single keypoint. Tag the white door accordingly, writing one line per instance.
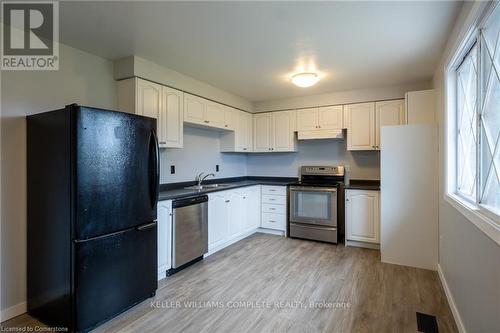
(172, 119)
(194, 109)
(164, 237)
(215, 115)
(230, 118)
(251, 201)
(283, 137)
(388, 113)
(249, 126)
(217, 220)
(361, 126)
(149, 99)
(236, 214)
(307, 119)
(330, 117)
(262, 132)
(362, 216)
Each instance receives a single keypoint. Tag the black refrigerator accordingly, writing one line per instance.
(92, 178)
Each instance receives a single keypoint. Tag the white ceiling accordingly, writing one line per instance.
(251, 48)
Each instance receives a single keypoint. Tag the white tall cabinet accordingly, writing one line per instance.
(362, 216)
(164, 104)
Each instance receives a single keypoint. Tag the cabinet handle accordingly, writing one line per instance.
(346, 199)
(272, 208)
(319, 126)
(207, 121)
(162, 142)
(272, 221)
(272, 199)
(244, 149)
(228, 200)
(225, 125)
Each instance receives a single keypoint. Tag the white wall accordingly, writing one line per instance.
(469, 260)
(364, 164)
(201, 153)
(342, 97)
(137, 66)
(82, 78)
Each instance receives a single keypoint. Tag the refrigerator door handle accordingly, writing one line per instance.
(156, 181)
(146, 226)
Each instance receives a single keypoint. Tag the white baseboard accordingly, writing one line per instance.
(13, 311)
(271, 231)
(451, 302)
(232, 241)
(366, 245)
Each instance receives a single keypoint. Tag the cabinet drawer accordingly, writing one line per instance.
(274, 199)
(276, 190)
(271, 208)
(273, 221)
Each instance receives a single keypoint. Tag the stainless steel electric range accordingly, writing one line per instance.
(316, 203)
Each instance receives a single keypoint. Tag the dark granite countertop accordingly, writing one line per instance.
(363, 184)
(177, 190)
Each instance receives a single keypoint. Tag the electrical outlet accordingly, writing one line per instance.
(216, 168)
(172, 169)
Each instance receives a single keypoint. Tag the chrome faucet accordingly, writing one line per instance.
(200, 178)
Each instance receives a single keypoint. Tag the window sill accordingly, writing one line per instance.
(471, 213)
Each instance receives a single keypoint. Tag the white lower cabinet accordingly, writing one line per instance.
(164, 237)
(232, 215)
(362, 216)
(273, 207)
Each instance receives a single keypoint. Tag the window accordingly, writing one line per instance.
(477, 119)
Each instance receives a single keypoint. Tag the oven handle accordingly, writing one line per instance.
(313, 189)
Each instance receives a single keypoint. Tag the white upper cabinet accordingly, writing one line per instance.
(420, 107)
(172, 118)
(262, 132)
(215, 115)
(282, 131)
(307, 119)
(322, 118)
(274, 131)
(230, 118)
(361, 126)
(156, 101)
(388, 113)
(194, 109)
(362, 216)
(239, 140)
(330, 117)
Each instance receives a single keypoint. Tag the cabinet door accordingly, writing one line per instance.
(330, 117)
(361, 127)
(215, 115)
(307, 119)
(262, 132)
(283, 137)
(230, 118)
(362, 216)
(249, 131)
(388, 113)
(164, 237)
(149, 99)
(194, 109)
(236, 214)
(171, 122)
(217, 220)
(251, 201)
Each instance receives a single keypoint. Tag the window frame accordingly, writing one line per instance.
(485, 219)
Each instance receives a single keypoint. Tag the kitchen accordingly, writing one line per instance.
(332, 195)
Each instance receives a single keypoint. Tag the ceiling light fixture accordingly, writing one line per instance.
(305, 80)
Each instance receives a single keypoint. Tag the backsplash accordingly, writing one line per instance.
(201, 153)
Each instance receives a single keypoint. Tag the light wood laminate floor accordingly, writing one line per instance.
(283, 276)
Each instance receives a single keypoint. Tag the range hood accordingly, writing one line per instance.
(320, 134)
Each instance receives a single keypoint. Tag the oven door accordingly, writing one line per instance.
(313, 205)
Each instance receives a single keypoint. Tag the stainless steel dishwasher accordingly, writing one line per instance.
(189, 231)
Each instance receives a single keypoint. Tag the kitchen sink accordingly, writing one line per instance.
(207, 186)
